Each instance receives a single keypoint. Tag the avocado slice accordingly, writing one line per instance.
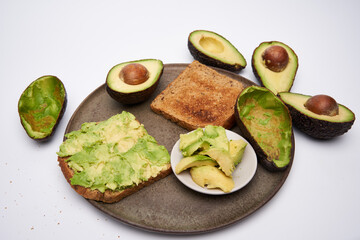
(211, 177)
(265, 122)
(134, 82)
(237, 149)
(214, 50)
(275, 65)
(216, 137)
(316, 125)
(41, 107)
(222, 157)
(194, 161)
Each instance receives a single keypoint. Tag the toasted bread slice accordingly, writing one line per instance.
(108, 196)
(199, 96)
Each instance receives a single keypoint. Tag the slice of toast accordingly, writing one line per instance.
(199, 96)
(118, 129)
(108, 196)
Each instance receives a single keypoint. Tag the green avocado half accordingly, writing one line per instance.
(214, 50)
(134, 82)
(275, 69)
(41, 107)
(317, 125)
(265, 122)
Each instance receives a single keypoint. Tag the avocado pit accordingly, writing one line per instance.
(134, 74)
(323, 105)
(276, 58)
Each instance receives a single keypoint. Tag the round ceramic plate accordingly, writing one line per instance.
(167, 206)
(242, 174)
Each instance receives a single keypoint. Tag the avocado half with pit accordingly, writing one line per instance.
(214, 50)
(134, 82)
(319, 116)
(265, 122)
(41, 107)
(275, 65)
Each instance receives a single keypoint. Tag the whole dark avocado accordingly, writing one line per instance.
(41, 107)
(214, 50)
(275, 65)
(265, 122)
(318, 116)
(134, 82)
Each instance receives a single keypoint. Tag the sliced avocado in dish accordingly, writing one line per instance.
(275, 65)
(41, 107)
(265, 122)
(310, 115)
(134, 82)
(214, 50)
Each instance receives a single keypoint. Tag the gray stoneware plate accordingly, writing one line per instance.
(168, 206)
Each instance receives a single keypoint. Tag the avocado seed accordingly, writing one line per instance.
(134, 74)
(322, 105)
(276, 58)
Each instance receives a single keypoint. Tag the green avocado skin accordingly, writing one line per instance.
(263, 158)
(60, 114)
(318, 128)
(207, 60)
(261, 155)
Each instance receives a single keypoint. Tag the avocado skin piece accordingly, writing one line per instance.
(210, 61)
(60, 114)
(318, 128)
(257, 72)
(263, 158)
(133, 97)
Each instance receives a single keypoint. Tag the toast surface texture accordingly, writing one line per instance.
(199, 96)
(108, 196)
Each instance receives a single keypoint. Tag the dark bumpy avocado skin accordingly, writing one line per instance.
(317, 128)
(261, 155)
(135, 97)
(205, 59)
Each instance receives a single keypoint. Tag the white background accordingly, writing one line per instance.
(79, 41)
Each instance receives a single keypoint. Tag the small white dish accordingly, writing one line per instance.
(242, 174)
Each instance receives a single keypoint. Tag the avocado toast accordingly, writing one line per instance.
(109, 160)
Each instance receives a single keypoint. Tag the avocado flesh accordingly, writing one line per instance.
(315, 125)
(214, 50)
(222, 157)
(41, 107)
(194, 161)
(131, 94)
(113, 154)
(266, 123)
(237, 149)
(212, 177)
(274, 81)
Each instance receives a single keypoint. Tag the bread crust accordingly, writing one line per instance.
(198, 97)
(108, 196)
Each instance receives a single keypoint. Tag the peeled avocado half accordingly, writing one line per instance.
(265, 122)
(214, 50)
(275, 65)
(41, 107)
(133, 82)
(317, 125)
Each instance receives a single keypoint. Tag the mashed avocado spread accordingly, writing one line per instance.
(113, 154)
